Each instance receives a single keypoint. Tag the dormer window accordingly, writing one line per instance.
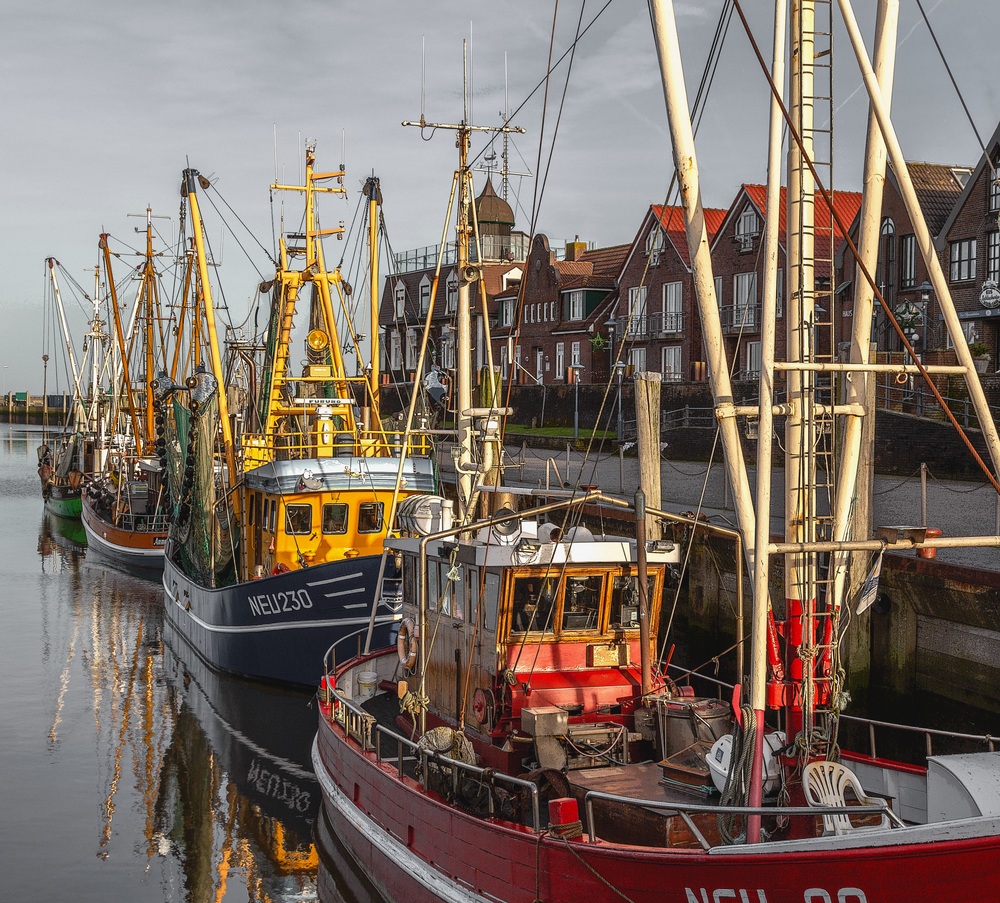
(425, 294)
(654, 245)
(399, 299)
(452, 292)
(747, 228)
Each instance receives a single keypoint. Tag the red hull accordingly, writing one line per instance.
(418, 848)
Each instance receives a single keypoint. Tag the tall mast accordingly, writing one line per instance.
(67, 341)
(374, 195)
(191, 178)
(466, 276)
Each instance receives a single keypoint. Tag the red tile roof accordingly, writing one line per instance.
(672, 220)
(846, 204)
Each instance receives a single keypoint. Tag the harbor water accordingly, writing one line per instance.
(132, 772)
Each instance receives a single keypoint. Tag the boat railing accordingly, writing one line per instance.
(364, 444)
(872, 726)
(686, 810)
(144, 523)
(364, 728)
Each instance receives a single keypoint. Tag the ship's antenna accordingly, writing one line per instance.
(423, 75)
(274, 139)
(472, 76)
(504, 178)
(465, 81)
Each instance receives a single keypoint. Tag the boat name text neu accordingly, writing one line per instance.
(276, 603)
(810, 895)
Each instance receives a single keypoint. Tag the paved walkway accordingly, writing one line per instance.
(957, 508)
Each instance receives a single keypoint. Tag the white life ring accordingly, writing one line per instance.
(408, 643)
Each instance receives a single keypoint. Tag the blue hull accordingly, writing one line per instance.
(279, 628)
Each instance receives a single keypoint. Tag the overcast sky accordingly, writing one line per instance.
(104, 103)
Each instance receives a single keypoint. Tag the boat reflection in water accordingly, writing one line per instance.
(237, 795)
(340, 878)
(62, 542)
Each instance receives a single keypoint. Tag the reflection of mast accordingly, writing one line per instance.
(109, 805)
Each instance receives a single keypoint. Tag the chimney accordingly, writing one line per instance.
(575, 248)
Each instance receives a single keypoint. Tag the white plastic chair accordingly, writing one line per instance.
(824, 784)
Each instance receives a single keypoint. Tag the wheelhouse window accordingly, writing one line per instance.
(625, 601)
(534, 601)
(582, 602)
(334, 518)
(298, 519)
(370, 517)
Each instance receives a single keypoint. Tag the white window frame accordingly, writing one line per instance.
(747, 228)
(962, 260)
(993, 256)
(654, 245)
(745, 299)
(399, 299)
(718, 291)
(637, 358)
(575, 305)
(425, 294)
(574, 354)
(671, 362)
(907, 261)
(636, 310)
(560, 360)
(395, 351)
(753, 359)
(411, 348)
(672, 307)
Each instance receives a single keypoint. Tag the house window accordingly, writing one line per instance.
(395, 351)
(993, 256)
(671, 310)
(575, 305)
(994, 177)
(636, 310)
(504, 362)
(779, 293)
(539, 365)
(452, 292)
(637, 358)
(399, 299)
(718, 291)
(517, 364)
(425, 295)
(506, 311)
(886, 270)
(670, 362)
(574, 354)
(745, 300)
(411, 348)
(907, 261)
(654, 245)
(747, 228)
(753, 360)
(560, 360)
(447, 352)
(963, 260)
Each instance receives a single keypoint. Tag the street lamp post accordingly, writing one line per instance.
(576, 368)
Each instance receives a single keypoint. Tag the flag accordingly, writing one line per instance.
(869, 591)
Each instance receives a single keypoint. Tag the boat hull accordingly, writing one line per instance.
(138, 552)
(279, 628)
(418, 848)
(62, 501)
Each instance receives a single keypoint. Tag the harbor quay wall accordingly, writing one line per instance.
(934, 627)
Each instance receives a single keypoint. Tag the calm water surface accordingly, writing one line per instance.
(132, 772)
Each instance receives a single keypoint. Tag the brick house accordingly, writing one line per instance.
(406, 295)
(900, 273)
(549, 329)
(738, 266)
(969, 248)
(655, 323)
